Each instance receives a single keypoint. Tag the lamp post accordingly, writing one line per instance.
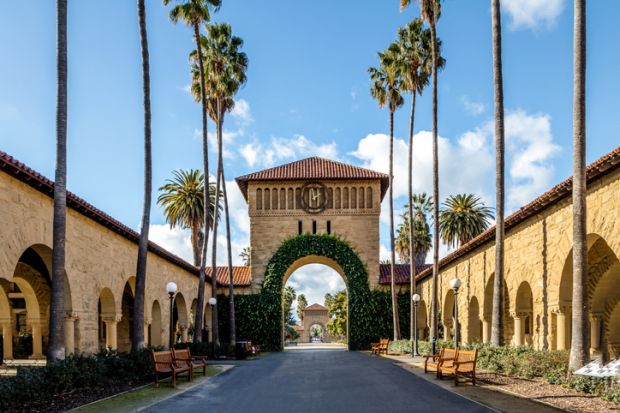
(416, 301)
(171, 288)
(455, 284)
(212, 303)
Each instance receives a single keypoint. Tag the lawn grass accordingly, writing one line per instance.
(145, 396)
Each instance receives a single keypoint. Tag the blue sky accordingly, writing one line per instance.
(307, 94)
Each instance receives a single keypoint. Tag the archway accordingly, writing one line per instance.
(107, 319)
(423, 331)
(180, 319)
(318, 333)
(331, 251)
(474, 325)
(487, 319)
(155, 327)
(125, 325)
(524, 315)
(448, 316)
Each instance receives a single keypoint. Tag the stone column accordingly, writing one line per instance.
(7, 340)
(561, 336)
(37, 340)
(486, 331)
(69, 321)
(595, 332)
(518, 325)
(184, 334)
(110, 333)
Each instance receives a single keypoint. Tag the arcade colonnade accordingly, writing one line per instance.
(99, 277)
(538, 271)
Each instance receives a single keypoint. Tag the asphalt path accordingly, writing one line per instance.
(318, 380)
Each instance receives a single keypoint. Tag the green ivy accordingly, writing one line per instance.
(259, 316)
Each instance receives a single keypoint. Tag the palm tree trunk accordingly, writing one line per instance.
(580, 338)
(412, 251)
(56, 344)
(196, 245)
(137, 336)
(395, 320)
(215, 328)
(231, 290)
(435, 194)
(198, 316)
(497, 327)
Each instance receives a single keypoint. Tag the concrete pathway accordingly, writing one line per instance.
(318, 380)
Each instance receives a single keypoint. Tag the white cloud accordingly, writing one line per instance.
(242, 112)
(175, 240)
(532, 14)
(285, 149)
(473, 108)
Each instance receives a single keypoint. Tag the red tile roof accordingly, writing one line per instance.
(596, 170)
(313, 168)
(23, 173)
(315, 307)
(401, 273)
(242, 275)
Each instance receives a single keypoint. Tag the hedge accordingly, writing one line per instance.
(258, 316)
(40, 384)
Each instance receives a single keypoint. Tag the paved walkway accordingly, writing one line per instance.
(318, 380)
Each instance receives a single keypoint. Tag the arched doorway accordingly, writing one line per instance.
(448, 316)
(423, 331)
(155, 327)
(107, 320)
(180, 319)
(125, 325)
(488, 312)
(474, 324)
(524, 315)
(333, 252)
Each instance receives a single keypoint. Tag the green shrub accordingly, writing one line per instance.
(38, 384)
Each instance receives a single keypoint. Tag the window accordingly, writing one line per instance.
(291, 197)
(267, 199)
(274, 198)
(361, 197)
(282, 198)
(330, 198)
(297, 198)
(337, 206)
(314, 227)
(369, 197)
(345, 198)
(300, 227)
(259, 198)
(329, 227)
(353, 197)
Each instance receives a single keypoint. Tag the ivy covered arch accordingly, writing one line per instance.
(355, 275)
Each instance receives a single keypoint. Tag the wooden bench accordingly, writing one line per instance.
(446, 356)
(381, 346)
(464, 365)
(184, 358)
(163, 363)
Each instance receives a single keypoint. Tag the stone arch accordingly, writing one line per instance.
(323, 249)
(448, 315)
(487, 318)
(125, 325)
(107, 319)
(180, 318)
(523, 315)
(422, 321)
(474, 324)
(156, 326)
(324, 332)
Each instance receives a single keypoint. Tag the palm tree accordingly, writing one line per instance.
(302, 303)
(416, 58)
(422, 241)
(137, 333)
(194, 13)
(226, 68)
(579, 337)
(431, 11)
(462, 218)
(183, 203)
(386, 88)
(498, 288)
(56, 345)
(246, 256)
